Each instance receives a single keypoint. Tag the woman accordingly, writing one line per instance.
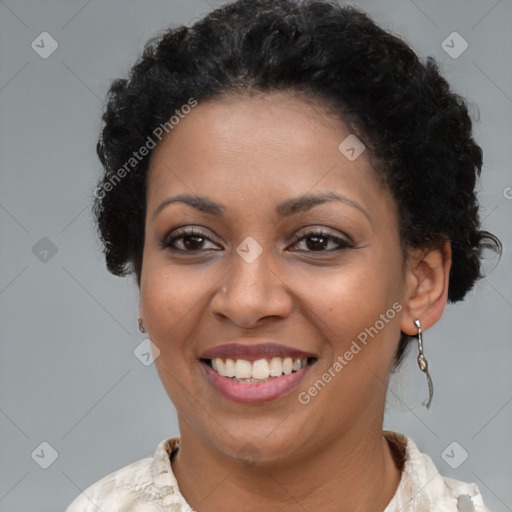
(294, 191)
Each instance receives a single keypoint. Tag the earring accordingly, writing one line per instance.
(423, 363)
(141, 326)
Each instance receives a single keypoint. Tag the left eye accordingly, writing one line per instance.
(319, 241)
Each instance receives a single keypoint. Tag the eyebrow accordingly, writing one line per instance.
(285, 209)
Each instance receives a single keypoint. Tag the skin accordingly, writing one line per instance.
(249, 154)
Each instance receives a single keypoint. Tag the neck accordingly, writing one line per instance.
(353, 473)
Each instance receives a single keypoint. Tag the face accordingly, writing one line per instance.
(272, 256)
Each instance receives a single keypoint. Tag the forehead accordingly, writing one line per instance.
(256, 148)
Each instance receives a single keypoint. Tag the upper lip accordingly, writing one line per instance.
(253, 351)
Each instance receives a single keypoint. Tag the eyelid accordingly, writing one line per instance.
(323, 230)
(343, 243)
(181, 232)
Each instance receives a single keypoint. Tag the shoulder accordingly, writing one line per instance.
(133, 487)
(422, 488)
(117, 489)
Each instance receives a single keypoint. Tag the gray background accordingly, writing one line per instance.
(68, 375)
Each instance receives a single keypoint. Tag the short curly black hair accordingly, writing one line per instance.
(417, 131)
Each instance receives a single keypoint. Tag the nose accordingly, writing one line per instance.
(251, 291)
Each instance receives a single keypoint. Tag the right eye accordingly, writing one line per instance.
(190, 240)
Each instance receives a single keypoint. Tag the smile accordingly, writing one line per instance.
(261, 370)
(255, 373)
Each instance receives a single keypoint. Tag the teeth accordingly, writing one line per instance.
(243, 369)
(260, 369)
(229, 368)
(276, 367)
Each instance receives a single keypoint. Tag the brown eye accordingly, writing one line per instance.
(186, 241)
(192, 242)
(319, 241)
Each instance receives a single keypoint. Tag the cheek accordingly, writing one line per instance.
(172, 299)
(351, 297)
(172, 294)
(356, 311)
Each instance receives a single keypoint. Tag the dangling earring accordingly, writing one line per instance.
(141, 325)
(423, 363)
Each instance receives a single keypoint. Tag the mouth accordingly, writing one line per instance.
(255, 373)
(259, 370)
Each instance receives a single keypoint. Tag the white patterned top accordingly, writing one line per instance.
(149, 485)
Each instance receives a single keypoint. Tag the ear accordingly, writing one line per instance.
(141, 314)
(428, 273)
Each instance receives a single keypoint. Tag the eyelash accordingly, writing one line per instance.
(190, 232)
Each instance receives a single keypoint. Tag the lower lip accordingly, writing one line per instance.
(256, 392)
